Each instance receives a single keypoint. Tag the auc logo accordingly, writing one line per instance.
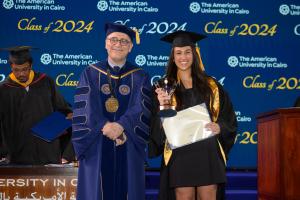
(195, 7)
(46, 59)
(8, 4)
(140, 60)
(233, 61)
(284, 9)
(102, 5)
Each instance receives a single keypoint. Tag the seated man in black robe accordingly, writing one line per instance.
(26, 97)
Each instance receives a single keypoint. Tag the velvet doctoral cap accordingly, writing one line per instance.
(115, 27)
(19, 54)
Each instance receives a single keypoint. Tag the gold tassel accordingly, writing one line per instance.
(200, 60)
(137, 36)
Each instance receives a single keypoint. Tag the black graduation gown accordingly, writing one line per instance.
(228, 125)
(20, 110)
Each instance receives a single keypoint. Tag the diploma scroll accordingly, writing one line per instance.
(187, 126)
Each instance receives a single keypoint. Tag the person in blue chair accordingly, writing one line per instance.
(111, 122)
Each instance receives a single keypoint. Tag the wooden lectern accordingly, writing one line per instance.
(38, 182)
(279, 155)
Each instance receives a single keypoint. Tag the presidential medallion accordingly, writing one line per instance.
(112, 104)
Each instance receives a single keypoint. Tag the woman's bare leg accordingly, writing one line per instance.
(185, 193)
(208, 192)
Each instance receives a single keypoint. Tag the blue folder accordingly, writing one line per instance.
(51, 127)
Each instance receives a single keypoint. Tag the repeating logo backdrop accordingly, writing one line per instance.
(252, 47)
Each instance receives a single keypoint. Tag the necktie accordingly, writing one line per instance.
(116, 68)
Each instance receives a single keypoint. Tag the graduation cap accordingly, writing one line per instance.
(19, 54)
(51, 127)
(115, 27)
(185, 38)
(182, 38)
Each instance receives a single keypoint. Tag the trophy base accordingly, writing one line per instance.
(167, 111)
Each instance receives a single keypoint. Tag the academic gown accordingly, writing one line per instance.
(228, 125)
(20, 110)
(106, 171)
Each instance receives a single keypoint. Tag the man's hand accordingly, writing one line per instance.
(112, 130)
(69, 116)
(121, 139)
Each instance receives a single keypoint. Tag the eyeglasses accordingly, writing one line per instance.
(115, 40)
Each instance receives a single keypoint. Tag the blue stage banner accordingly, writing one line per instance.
(252, 48)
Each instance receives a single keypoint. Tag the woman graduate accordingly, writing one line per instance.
(193, 171)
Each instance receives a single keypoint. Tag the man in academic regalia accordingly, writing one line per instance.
(26, 97)
(111, 123)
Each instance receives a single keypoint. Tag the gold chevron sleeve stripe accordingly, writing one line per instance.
(116, 77)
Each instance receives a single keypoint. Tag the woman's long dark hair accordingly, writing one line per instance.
(199, 77)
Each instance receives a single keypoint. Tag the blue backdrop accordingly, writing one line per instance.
(252, 47)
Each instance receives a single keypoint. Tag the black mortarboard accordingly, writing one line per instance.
(182, 38)
(19, 54)
(114, 27)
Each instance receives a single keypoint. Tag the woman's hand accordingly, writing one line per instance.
(162, 96)
(213, 127)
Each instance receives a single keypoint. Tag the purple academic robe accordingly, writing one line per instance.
(106, 171)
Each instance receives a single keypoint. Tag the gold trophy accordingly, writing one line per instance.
(169, 86)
